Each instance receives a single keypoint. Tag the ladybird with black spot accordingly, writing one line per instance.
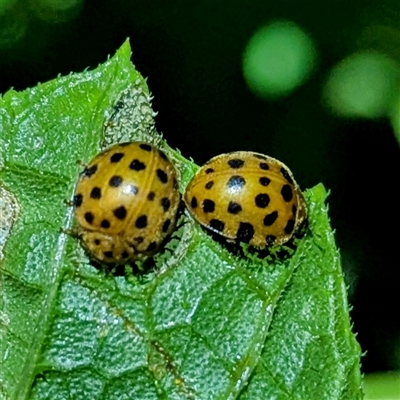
(126, 202)
(247, 197)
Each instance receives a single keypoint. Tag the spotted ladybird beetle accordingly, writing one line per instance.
(126, 202)
(247, 197)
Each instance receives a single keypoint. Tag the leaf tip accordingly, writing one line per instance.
(125, 49)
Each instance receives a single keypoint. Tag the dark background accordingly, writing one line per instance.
(191, 52)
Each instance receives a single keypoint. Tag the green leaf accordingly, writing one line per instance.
(382, 385)
(204, 324)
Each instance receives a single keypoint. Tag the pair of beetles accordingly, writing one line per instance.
(127, 200)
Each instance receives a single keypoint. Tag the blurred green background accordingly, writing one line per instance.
(314, 84)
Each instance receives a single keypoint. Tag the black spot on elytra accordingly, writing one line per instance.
(124, 254)
(234, 208)
(193, 203)
(287, 193)
(289, 226)
(236, 163)
(217, 225)
(97, 242)
(77, 201)
(270, 218)
(236, 182)
(209, 170)
(138, 239)
(245, 232)
(264, 181)
(162, 176)
(209, 185)
(115, 181)
(152, 246)
(131, 189)
(270, 240)
(166, 225)
(145, 147)
(264, 166)
(294, 209)
(162, 155)
(165, 203)
(208, 206)
(137, 165)
(120, 212)
(260, 156)
(89, 217)
(108, 254)
(116, 157)
(90, 171)
(262, 200)
(95, 193)
(151, 196)
(286, 175)
(105, 224)
(141, 222)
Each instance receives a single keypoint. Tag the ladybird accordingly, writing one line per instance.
(247, 197)
(126, 202)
